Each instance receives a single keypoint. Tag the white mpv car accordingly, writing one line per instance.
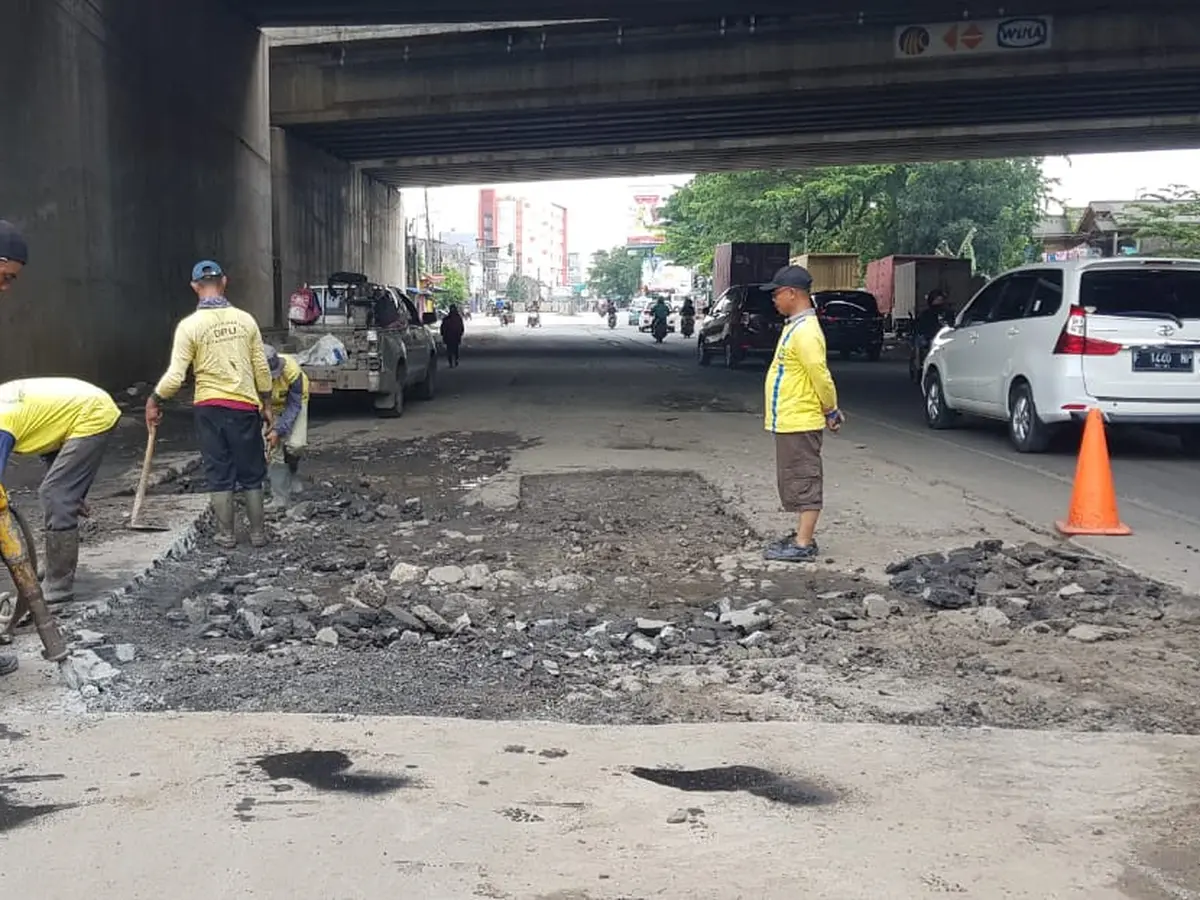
(1041, 345)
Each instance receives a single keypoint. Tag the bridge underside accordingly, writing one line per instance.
(382, 12)
(1091, 113)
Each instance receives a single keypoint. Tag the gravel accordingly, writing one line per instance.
(631, 597)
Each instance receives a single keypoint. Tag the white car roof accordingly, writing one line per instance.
(1109, 262)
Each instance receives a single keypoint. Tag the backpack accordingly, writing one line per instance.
(303, 308)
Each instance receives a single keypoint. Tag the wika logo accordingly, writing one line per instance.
(1022, 34)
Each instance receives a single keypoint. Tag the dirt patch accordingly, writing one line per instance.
(632, 597)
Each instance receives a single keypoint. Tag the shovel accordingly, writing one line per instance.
(135, 518)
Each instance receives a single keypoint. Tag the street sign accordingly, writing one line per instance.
(973, 37)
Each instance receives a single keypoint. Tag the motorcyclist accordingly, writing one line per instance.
(933, 317)
(660, 311)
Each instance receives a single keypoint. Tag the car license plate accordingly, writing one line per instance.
(320, 387)
(1163, 359)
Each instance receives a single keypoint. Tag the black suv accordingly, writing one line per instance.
(742, 323)
(851, 322)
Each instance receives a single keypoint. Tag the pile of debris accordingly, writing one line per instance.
(1047, 589)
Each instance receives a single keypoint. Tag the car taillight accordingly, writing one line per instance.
(1073, 341)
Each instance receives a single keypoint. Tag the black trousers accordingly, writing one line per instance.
(452, 352)
(231, 445)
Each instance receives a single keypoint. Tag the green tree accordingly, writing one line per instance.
(616, 274)
(521, 288)
(454, 287)
(870, 210)
(1169, 221)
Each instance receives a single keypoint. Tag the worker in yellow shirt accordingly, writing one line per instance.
(801, 402)
(289, 435)
(68, 423)
(223, 347)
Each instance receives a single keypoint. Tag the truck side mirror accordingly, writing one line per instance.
(429, 318)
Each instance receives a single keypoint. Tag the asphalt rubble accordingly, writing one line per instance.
(628, 597)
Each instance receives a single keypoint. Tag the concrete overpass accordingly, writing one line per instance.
(604, 99)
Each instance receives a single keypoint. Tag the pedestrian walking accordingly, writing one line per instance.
(452, 329)
(14, 254)
(289, 435)
(801, 402)
(223, 347)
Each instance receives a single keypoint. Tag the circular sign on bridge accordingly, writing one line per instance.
(913, 41)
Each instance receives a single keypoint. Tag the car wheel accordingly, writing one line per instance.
(1026, 430)
(701, 353)
(733, 359)
(937, 414)
(428, 386)
(873, 353)
(392, 405)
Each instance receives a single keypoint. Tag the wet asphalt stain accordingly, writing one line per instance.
(325, 770)
(8, 734)
(759, 782)
(14, 815)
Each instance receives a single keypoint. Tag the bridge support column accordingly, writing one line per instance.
(136, 141)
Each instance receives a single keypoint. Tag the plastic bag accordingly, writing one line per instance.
(327, 351)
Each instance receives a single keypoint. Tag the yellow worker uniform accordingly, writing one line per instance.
(42, 414)
(224, 348)
(296, 436)
(799, 389)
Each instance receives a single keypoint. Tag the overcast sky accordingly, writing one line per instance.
(598, 210)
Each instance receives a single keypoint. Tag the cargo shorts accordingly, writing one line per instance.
(798, 470)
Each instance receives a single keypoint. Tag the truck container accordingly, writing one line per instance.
(746, 263)
(899, 290)
(831, 271)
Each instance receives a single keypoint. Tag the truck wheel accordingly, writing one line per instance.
(425, 390)
(391, 406)
(733, 359)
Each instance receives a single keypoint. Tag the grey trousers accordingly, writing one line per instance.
(71, 471)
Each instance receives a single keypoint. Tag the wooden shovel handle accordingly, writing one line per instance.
(140, 497)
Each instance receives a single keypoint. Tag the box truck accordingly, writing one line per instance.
(900, 283)
(831, 271)
(746, 263)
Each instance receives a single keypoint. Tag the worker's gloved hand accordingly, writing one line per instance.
(153, 413)
(3, 498)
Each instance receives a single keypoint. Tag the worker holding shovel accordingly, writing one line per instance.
(223, 347)
(289, 435)
(68, 423)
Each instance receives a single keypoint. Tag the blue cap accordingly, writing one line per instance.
(206, 268)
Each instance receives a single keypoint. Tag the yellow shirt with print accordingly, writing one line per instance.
(42, 414)
(799, 389)
(224, 349)
(281, 385)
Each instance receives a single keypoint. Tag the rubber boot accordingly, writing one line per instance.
(62, 558)
(281, 486)
(293, 464)
(222, 504)
(257, 516)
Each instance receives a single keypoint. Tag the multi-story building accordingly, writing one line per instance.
(530, 237)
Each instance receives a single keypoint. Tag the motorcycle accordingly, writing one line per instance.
(687, 325)
(659, 330)
(505, 318)
(534, 320)
(612, 320)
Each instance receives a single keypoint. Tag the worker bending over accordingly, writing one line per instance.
(224, 348)
(68, 423)
(289, 435)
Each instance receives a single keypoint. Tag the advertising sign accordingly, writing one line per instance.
(645, 222)
(972, 38)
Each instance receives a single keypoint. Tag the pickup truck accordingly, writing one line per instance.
(389, 350)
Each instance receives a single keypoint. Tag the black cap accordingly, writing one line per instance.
(12, 245)
(790, 276)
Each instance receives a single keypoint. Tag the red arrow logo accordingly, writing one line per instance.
(972, 37)
(951, 37)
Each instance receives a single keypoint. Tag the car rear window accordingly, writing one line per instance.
(849, 303)
(1151, 292)
(759, 302)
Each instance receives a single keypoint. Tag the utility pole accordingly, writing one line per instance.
(428, 236)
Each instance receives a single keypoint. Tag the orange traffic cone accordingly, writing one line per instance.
(1094, 499)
